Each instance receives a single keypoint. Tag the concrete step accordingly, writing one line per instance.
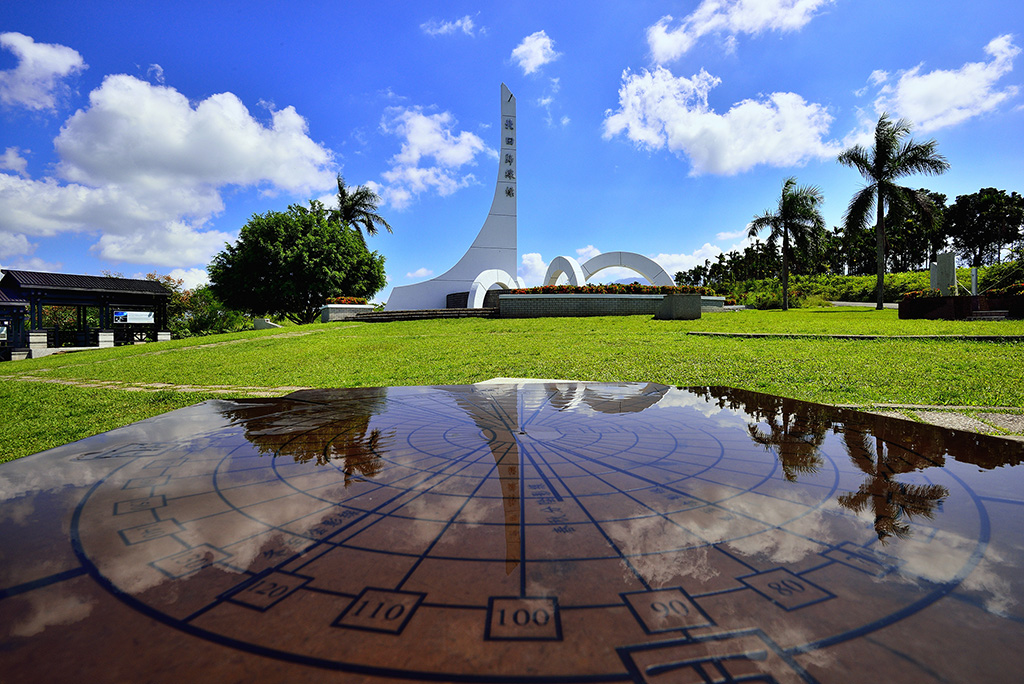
(424, 314)
(994, 315)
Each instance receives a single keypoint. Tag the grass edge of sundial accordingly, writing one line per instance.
(142, 381)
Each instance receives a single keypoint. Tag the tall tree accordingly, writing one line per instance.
(891, 158)
(357, 207)
(914, 238)
(799, 216)
(983, 223)
(288, 263)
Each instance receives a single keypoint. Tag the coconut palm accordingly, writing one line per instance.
(892, 157)
(357, 207)
(798, 219)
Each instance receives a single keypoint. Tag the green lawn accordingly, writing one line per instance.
(634, 348)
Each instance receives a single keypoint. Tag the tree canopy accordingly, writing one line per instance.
(357, 207)
(889, 159)
(288, 263)
(983, 223)
(798, 217)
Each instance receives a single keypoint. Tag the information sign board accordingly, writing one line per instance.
(127, 317)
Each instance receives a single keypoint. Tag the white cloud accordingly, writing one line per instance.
(731, 234)
(421, 272)
(135, 132)
(658, 110)
(586, 253)
(144, 167)
(156, 72)
(942, 98)
(446, 28)
(170, 245)
(533, 269)
(728, 17)
(536, 50)
(12, 244)
(191, 277)
(878, 76)
(35, 264)
(431, 156)
(13, 161)
(35, 81)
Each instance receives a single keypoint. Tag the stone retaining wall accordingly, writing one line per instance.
(542, 305)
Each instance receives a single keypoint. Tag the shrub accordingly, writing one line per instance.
(615, 288)
(346, 300)
(920, 294)
(814, 300)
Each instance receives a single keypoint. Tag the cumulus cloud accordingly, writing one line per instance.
(533, 269)
(431, 157)
(447, 28)
(14, 243)
(657, 110)
(145, 168)
(669, 40)
(36, 80)
(536, 50)
(421, 272)
(942, 98)
(13, 161)
(191, 277)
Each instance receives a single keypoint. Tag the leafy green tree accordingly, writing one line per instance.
(798, 217)
(197, 311)
(357, 207)
(914, 237)
(288, 263)
(982, 224)
(890, 158)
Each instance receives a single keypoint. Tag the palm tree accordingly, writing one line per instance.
(357, 207)
(891, 158)
(799, 216)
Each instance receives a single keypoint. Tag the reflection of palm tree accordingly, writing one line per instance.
(892, 502)
(332, 433)
(795, 438)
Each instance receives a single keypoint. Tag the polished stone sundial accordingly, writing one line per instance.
(559, 532)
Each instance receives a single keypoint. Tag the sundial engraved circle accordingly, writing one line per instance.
(519, 546)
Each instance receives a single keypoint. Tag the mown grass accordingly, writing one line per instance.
(39, 416)
(634, 348)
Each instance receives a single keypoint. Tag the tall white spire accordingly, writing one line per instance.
(493, 256)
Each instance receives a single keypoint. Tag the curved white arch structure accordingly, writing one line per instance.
(495, 245)
(567, 265)
(485, 281)
(648, 268)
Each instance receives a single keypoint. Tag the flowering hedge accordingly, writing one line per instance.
(615, 288)
(920, 294)
(1015, 290)
(346, 300)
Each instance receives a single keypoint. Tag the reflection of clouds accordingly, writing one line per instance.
(17, 512)
(57, 468)
(747, 521)
(56, 607)
(940, 560)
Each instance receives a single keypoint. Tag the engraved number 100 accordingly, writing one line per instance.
(522, 617)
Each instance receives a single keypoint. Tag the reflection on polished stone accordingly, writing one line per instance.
(561, 532)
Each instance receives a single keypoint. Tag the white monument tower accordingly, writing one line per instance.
(493, 257)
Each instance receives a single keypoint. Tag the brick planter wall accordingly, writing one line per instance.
(959, 308)
(542, 305)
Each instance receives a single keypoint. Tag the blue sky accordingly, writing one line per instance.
(140, 137)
